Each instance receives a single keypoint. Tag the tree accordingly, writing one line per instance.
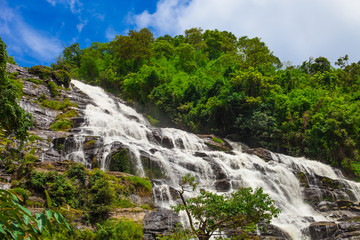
(241, 210)
(14, 120)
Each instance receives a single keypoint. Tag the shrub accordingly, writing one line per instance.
(123, 229)
(42, 72)
(62, 125)
(56, 105)
(77, 171)
(33, 80)
(61, 77)
(141, 185)
(53, 88)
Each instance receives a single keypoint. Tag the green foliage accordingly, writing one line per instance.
(62, 125)
(53, 88)
(14, 120)
(57, 105)
(33, 80)
(214, 82)
(123, 229)
(241, 211)
(11, 60)
(143, 186)
(121, 162)
(17, 222)
(43, 72)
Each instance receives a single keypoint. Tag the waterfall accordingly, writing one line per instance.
(113, 121)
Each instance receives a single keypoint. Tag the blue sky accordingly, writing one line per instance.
(37, 31)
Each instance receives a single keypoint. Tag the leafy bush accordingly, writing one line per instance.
(61, 77)
(62, 125)
(53, 88)
(141, 185)
(42, 72)
(33, 80)
(123, 229)
(57, 105)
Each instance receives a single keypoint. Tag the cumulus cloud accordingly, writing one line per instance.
(25, 39)
(293, 29)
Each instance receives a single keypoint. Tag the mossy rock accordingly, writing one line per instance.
(152, 169)
(61, 77)
(43, 72)
(120, 161)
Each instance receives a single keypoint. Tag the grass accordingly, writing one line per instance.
(218, 140)
(57, 105)
(62, 125)
(33, 80)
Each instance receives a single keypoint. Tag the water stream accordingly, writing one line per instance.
(115, 122)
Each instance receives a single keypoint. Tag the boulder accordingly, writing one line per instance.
(159, 222)
(222, 185)
(261, 153)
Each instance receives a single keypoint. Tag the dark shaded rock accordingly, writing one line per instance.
(159, 222)
(269, 231)
(261, 153)
(153, 169)
(217, 169)
(153, 150)
(120, 160)
(167, 142)
(162, 140)
(200, 154)
(323, 230)
(234, 137)
(78, 121)
(222, 185)
(179, 143)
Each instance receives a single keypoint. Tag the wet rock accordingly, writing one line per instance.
(153, 169)
(215, 143)
(159, 222)
(200, 154)
(269, 231)
(217, 169)
(78, 121)
(222, 185)
(179, 143)
(261, 153)
(162, 140)
(323, 230)
(167, 142)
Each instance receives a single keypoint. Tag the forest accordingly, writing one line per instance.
(215, 82)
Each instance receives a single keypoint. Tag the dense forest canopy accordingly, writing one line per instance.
(214, 82)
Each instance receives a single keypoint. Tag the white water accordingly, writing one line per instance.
(114, 121)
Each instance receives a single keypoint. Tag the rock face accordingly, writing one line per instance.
(159, 222)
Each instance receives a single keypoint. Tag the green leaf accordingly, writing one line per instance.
(41, 221)
(57, 217)
(48, 199)
(26, 219)
(48, 213)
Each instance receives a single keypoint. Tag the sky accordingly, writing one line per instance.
(37, 31)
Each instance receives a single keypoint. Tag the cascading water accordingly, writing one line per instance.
(115, 122)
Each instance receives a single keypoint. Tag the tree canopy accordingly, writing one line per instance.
(210, 81)
(211, 214)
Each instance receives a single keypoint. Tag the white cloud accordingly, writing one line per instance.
(110, 33)
(74, 5)
(293, 29)
(81, 25)
(23, 39)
